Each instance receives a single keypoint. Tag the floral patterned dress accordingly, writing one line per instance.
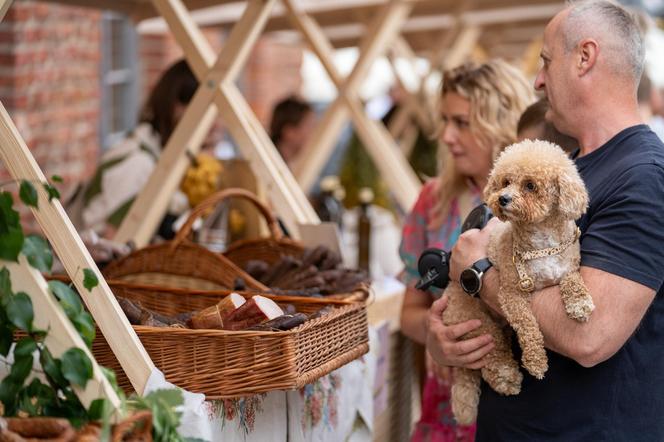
(437, 422)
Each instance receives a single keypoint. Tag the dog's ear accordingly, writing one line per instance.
(491, 186)
(572, 196)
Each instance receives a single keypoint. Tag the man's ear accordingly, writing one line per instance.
(588, 51)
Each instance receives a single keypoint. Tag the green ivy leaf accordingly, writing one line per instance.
(90, 280)
(11, 244)
(19, 311)
(76, 367)
(52, 192)
(8, 393)
(8, 216)
(56, 178)
(25, 347)
(68, 298)
(6, 339)
(38, 252)
(85, 326)
(171, 397)
(53, 369)
(101, 411)
(28, 194)
(5, 283)
(11, 233)
(21, 368)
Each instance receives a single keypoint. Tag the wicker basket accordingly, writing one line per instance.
(179, 263)
(225, 364)
(269, 249)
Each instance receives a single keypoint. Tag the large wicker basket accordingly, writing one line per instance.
(224, 364)
(269, 249)
(179, 263)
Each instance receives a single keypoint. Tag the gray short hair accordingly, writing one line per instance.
(616, 28)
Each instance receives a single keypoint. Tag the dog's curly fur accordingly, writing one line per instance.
(542, 196)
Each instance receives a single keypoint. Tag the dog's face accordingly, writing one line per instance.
(534, 181)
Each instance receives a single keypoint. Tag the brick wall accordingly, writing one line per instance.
(272, 70)
(272, 73)
(49, 83)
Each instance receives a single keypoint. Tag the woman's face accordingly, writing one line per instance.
(471, 159)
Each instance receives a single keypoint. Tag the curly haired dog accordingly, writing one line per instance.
(535, 189)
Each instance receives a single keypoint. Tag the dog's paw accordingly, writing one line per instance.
(505, 379)
(536, 363)
(580, 309)
(508, 386)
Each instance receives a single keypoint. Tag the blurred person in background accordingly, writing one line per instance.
(291, 125)
(481, 105)
(98, 207)
(533, 126)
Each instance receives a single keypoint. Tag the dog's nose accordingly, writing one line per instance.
(504, 200)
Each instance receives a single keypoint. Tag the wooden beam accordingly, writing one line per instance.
(4, 7)
(401, 50)
(289, 201)
(152, 202)
(62, 335)
(74, 256)
(462, 47)
(396, 171)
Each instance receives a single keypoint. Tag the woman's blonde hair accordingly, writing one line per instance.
(498, 93)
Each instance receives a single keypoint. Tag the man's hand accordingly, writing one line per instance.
(442, 373)
(445, 346)
(472, 246)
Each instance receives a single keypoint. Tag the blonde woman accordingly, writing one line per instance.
(480, 107)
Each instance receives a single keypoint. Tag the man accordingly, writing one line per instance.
(606, 377)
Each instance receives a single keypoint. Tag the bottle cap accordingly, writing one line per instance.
(329, 183)
(365, 195)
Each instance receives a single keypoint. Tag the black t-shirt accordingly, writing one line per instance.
(621, 399)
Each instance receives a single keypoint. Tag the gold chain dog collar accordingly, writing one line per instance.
(526, 283)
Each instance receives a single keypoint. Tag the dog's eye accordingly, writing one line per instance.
(530, 186)
(506, 182)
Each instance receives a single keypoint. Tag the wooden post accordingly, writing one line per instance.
(61, 333)
(386, 155)
(145, 214)
(4, 7)
(289, 201)
(74, 256)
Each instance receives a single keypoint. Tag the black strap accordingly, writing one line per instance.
(482, 265)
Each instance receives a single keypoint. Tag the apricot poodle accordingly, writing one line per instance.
(535, 189)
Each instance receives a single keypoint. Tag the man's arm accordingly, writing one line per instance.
(620, 304)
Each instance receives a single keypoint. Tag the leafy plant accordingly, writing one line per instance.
(21, 395)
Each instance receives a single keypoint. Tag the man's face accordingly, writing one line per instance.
(554, 77)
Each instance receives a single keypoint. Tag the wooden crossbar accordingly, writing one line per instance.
(217, 79)
(394, 168)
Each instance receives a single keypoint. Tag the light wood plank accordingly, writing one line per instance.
(401, 179)
(4, 7)
(74, 256)
(61, 333)
(152, 202)
(289, 201)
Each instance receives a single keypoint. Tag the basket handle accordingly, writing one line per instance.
(218, 197)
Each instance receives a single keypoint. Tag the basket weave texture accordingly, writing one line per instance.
(179, 263)
(269, 249)
(226, 364)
